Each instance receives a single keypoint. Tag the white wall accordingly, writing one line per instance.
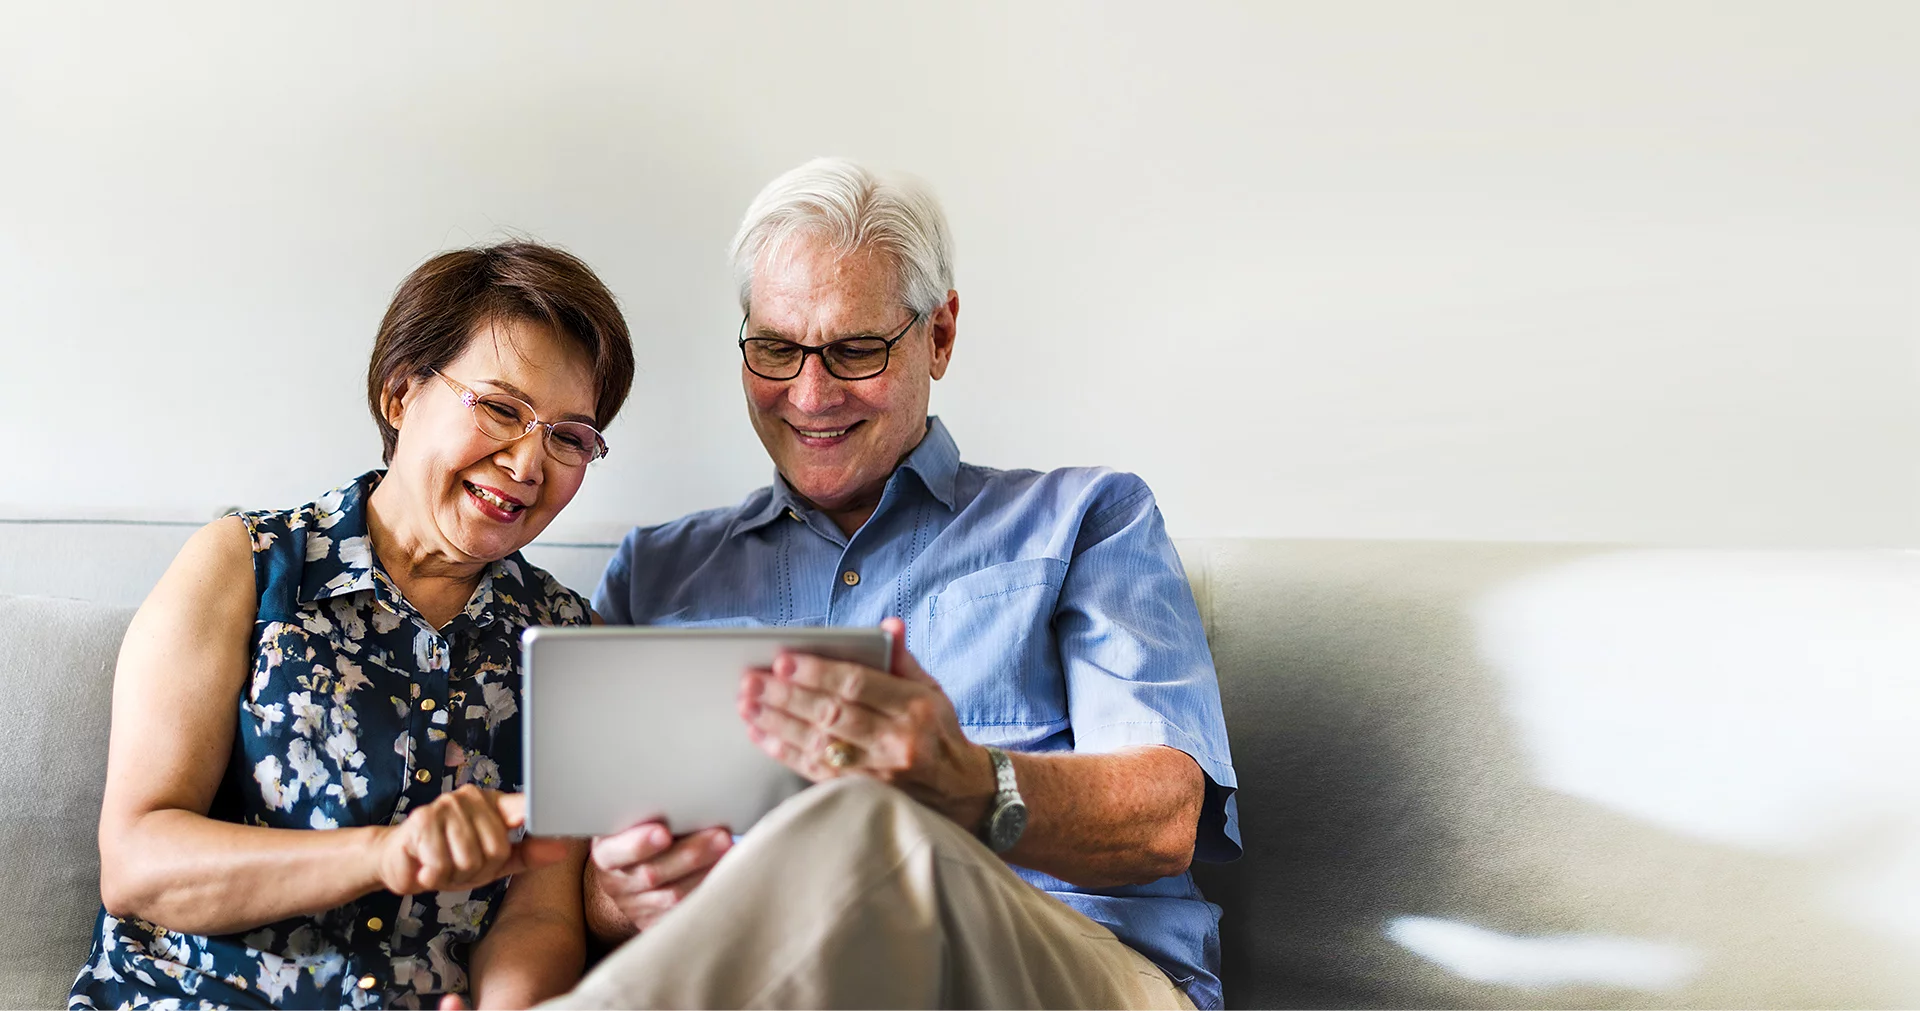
(1639, 272)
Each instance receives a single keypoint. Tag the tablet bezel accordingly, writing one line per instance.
(625, 763)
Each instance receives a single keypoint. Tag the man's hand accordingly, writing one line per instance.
(828, 718)
(635, 877)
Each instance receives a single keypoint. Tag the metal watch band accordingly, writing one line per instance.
(1003, 781)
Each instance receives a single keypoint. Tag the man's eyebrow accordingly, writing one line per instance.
(507, 387)
(767, 331)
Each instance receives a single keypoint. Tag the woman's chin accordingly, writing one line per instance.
(489, 540)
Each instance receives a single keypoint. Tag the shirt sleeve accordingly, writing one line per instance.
(1135, 655)
(613, 599)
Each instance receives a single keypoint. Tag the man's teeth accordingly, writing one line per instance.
(833, 433)
(494, 500)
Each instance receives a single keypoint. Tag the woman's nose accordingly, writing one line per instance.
(524, 458)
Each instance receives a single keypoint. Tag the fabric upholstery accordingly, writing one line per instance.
(56, 675)
(1479, 775)
(1472, 775)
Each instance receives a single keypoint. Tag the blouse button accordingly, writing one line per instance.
(420, 777)
(850, 577)
(375, 923)
(427, 705)
(367, 983)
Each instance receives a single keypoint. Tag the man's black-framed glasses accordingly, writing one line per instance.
(846, 358)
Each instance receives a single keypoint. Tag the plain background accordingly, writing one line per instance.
(1513, 271)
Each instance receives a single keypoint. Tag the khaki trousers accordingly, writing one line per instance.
(854, 895)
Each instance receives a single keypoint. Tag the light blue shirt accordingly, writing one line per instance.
(1051, 608)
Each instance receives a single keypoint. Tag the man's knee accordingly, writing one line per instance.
(863, 814)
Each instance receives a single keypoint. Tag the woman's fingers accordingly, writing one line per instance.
(429, 848)
(462, 835)
(512, 807)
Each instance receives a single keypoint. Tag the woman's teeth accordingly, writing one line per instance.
(493, 500)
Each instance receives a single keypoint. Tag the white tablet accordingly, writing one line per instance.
(624, 725)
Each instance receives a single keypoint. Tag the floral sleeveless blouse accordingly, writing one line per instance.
(358, 710)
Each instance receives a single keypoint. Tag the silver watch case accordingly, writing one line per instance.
(1009, 817)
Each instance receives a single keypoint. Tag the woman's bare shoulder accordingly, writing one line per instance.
(211, 580)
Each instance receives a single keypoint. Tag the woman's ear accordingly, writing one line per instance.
(393, 403)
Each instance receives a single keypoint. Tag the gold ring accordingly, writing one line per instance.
(840, 754)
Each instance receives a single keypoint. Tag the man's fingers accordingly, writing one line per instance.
(626, 849)
(780, 726)
(836, 715)
(852, 682)
(904, 665)
(691, 854)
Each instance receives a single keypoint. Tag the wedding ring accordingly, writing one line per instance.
(839, 754)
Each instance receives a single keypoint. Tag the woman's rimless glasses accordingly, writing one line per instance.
(499, 416)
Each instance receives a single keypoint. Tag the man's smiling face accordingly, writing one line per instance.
(836, 441)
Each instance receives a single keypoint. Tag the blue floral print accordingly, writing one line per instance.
(358, 710)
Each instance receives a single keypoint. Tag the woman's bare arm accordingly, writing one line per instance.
(176, 693)
(176, 700)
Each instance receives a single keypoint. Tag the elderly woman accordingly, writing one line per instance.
(316, 710)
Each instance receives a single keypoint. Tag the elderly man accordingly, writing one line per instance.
(1007, 817)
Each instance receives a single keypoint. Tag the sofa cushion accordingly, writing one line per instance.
(1515, 775)
(56, 675)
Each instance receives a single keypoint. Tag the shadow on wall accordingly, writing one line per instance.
(1418, 836)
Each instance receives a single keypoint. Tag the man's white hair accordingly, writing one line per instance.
(852, 208)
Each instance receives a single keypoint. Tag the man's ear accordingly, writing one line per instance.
(944, 327)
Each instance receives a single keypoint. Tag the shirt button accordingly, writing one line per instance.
(420, 777)
(427, 704)
(792, 515)
(375, 923)
(367, 983)
(850, 577)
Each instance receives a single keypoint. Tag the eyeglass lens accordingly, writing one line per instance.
(507, 419)
(857, 358)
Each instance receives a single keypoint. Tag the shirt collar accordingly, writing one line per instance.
(340, 557)
(936, 460)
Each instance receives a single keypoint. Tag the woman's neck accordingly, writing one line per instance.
(436, 584)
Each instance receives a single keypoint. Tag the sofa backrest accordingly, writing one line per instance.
(1514, 775)
(1470, 774)
(56, 674)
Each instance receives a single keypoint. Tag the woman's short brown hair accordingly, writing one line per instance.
(445, 301)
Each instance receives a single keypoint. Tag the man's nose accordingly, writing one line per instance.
(815, 390)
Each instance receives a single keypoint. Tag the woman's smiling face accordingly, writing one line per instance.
(469, 497)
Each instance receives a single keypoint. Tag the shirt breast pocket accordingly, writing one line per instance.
(990, 644)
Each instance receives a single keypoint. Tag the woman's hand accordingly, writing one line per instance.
(460, 841)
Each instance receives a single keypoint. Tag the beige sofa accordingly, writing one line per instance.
(1471, 774)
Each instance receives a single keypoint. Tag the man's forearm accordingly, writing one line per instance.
(1127, 817)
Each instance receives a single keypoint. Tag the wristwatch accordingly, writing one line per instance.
(1008, 817)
